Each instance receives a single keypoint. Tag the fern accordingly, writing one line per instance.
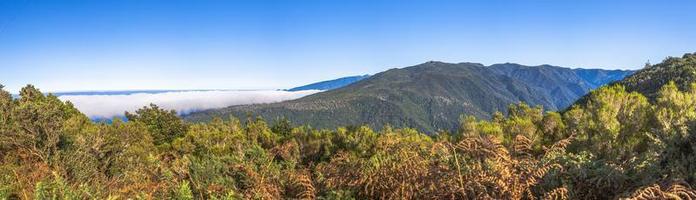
(674, 190)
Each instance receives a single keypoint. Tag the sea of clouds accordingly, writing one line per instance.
(184, 102)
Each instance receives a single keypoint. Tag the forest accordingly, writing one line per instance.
(615, 144)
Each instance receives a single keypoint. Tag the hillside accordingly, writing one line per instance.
(429, 96)
(650, 79)
(563, 85)
(560, 84)
(330, 84)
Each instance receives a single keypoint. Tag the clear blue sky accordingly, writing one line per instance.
(194, 44)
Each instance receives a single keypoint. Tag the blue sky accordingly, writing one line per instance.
(140, 44)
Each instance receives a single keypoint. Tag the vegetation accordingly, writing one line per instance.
(614, 144)
(430, 96)
(617, 145)
(649, 80)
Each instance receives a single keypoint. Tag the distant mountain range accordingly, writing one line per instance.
(431, 96)
(599, 77)
(562, 86)
(330, 84)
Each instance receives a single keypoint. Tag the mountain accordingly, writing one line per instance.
(330, 84)
(599, 77)
(650, 79)
(429, 97)
(563, 85)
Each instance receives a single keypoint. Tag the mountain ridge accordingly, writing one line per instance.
(330, 84)
(430, 96)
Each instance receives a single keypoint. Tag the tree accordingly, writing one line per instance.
(36, 122)
(163, 125)
(552, 129)
(675, 121)
(467, 125)
(674, 108)
(282, 126)
(258, 131)
(616, 123)
(6, 106)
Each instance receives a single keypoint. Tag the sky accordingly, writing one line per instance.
(196, 44)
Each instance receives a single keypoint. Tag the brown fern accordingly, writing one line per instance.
(556, 194)
(522, 146)
(674, 190)
(496, 173)
(302, 186)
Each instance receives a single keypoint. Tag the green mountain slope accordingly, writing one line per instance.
(650, 79)
(563, 85)
(430, 96)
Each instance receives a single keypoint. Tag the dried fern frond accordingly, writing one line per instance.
(522, 146)
(561, 145)
(286, 151)
(303, 186)
(483, 147)
(675, 190)
(556, 194)
(683, 190)
(254, 185)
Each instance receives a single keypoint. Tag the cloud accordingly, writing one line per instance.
(108, 106)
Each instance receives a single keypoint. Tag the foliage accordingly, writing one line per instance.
(163, 125)
(618, 144)
(649, 80)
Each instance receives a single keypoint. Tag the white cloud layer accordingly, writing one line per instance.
(108, 106)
